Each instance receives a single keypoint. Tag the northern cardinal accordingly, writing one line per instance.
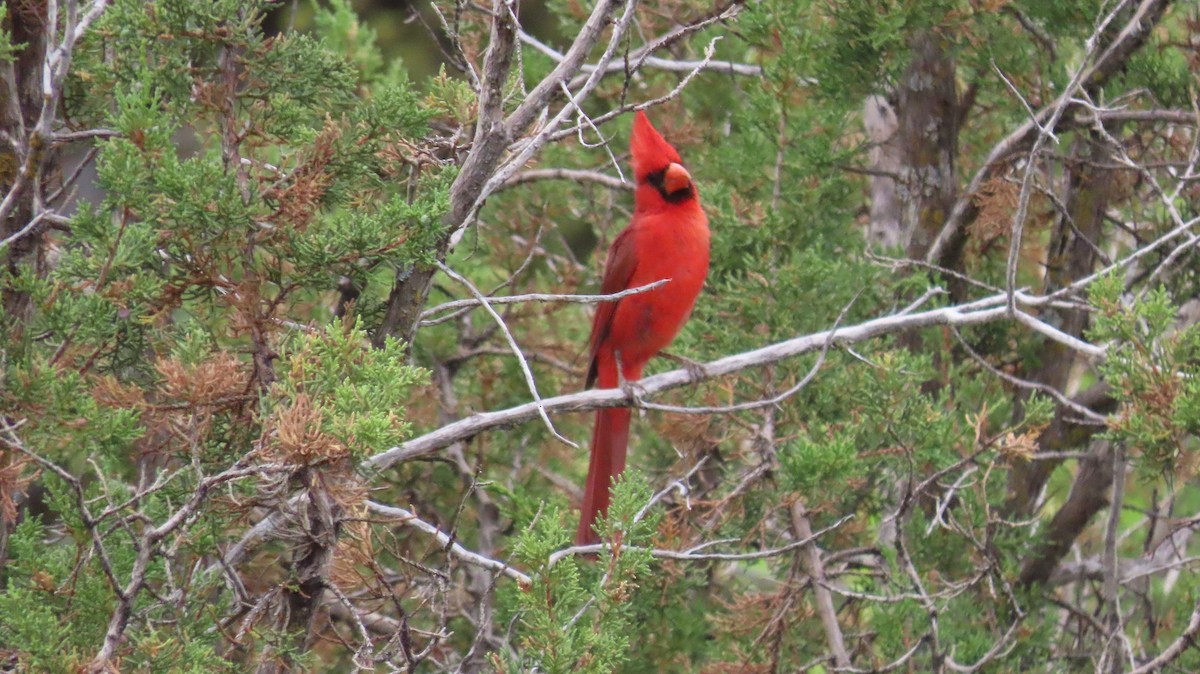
(667, 239)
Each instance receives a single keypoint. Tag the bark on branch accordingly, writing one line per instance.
(493, 136)
(987, 310)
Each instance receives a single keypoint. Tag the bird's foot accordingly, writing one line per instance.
(695, 369)
(632, 390)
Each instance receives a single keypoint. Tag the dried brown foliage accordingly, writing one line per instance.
(299, 199)
(997, 202)
(296, 436)
(355, 550)
(1020, 446)
(13, 480)
(214, 381)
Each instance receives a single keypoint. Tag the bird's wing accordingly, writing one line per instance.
(618, 270)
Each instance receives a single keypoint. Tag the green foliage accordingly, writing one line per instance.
(579, 614)
(347, 391)
(8, 49)
(41, 586)
(245, 176)
(1152, 367)
(810, 464)
(1165, 73)
(344, 35)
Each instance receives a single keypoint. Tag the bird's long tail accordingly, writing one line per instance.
(610, 441)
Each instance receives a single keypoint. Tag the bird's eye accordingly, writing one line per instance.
(658, 180)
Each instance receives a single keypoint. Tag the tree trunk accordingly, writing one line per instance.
(1072, 255)
(884, 230)
(23, 171)
(927, 116)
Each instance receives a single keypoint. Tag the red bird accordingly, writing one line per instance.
(667, 239)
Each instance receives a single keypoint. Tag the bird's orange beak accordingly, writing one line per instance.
(676, 178)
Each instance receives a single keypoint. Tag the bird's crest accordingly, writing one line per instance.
(651, 152)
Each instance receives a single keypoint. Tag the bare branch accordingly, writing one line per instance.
(574, 175)
(1186, 640)
(688, 556)
(516, 349)
(668, 65)
(973, 313)
(539, 297)
(410, 519)
(810, 561)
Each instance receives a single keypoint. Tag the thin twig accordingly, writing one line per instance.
(539, 297)
(410, 519)
(512, 343)
(700, 556)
